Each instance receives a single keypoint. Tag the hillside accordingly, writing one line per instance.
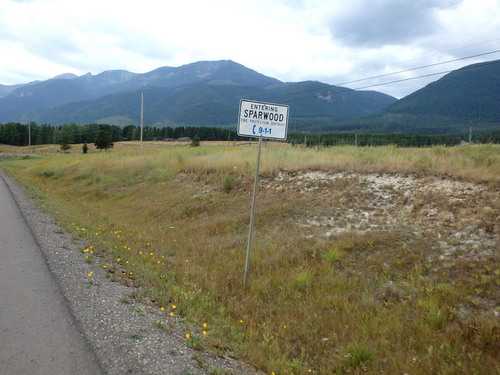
(466, 96)
(215, 103)
(205, 93)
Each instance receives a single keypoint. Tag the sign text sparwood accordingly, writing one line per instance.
(267, 120)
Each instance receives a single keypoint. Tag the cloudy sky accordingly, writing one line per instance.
(361, 44)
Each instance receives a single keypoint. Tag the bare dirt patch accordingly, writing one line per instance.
(462, 216)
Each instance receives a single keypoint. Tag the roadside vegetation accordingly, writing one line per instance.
(416, 291)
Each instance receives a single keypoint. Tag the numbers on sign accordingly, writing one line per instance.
(261, 130)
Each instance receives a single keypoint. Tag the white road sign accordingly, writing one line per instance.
(266, 120)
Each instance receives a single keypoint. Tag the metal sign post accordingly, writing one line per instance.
(252, 215)
(260, 120)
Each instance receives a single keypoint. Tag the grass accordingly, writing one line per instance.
(333, 255)
(174, 220)
(137, 310)
(133, 336)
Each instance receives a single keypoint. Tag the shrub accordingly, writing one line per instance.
(358, 355)
(228, 183)
(333, 255)
(195, 142)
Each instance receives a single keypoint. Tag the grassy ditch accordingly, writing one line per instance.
(407, 293)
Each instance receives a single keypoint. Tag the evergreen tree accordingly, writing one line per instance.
(195, 142)
(103, 140)
(65, 142)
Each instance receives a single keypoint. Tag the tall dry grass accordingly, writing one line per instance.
(350, 304)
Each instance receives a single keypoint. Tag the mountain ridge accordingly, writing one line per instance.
(207, 93)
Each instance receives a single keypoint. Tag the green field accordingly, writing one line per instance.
(365, 260)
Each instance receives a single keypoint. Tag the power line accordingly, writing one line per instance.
(418, 68)
(444, 52)
(387, 83)
(424, 76)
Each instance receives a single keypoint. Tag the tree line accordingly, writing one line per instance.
(17, 134)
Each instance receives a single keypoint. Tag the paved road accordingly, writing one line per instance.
(38, 335)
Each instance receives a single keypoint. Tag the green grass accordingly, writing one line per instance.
(333, 255)
(353, 303)
(137, 310)
(133, 336)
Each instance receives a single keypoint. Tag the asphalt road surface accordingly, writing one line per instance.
(38, 335)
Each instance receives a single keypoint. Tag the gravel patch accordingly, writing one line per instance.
(128, 337)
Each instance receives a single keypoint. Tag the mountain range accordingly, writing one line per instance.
(207, 93)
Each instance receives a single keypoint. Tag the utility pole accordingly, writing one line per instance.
(142, 115)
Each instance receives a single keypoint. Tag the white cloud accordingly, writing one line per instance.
(332, 41)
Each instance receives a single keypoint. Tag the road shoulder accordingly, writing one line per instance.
(124, 340)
